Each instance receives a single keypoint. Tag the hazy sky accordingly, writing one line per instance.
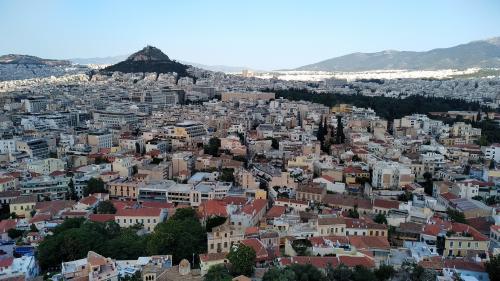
(267, 34)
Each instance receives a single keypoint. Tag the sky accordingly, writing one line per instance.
(260, 34)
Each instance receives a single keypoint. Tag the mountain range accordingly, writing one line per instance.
(482, 54)
(31, 60)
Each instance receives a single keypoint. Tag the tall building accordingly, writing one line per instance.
(35, 148)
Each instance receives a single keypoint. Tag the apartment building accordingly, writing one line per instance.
(223, 237)
(391, 175)
(147, 217)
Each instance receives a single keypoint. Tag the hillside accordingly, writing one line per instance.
(149, 59)
(483, 54)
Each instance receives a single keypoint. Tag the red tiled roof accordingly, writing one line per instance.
(234, 200)
(89, 200)
(5, 225)
(139, 212)
(6, 262)
(275, 212)
(6, 179)
(40, 217)
(212, 256)
(258, 247)
(254, 207)
(161, 205)
(448, 196)
(369, 242)
(211, 208)
(386, 204)
(101, 217)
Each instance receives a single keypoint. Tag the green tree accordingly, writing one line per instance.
(94, 186)
(339, 273)
(353, 213)
(218, 273)
(71, 191)
(493, 268)
(339, 136)
(428, 183)
(307, 272)
(227, 175)
(242, 259)
(33, 228)
(385, 272)
(456, 216)
(14, 233)
(274, 143)
(279, 274)
(213, 222)
(362, 273)
(212, 147)
(105, 207)
(181, 236)
(380, 218)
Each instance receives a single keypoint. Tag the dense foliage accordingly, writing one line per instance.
(94, 186)
(182, 236)
(218, 273)
(242, 259)
(105, 207)
(75, 237)
(382, 105)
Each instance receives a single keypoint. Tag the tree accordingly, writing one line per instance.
(181, 236)
(339, 136)
(301, 247)
(71, 191)
(33, 228)
(492, 165)
(227, 175)
(218, 273)
(380, 218)
(105, 207)
(275, 144)
(353, 213)
(456, 216)
(384, 272)
(493, 268)
(94, 186)
(406, 196)
(428, 183)
(279, 274)
(212, 147)
(213, 222)
(307, 272)
(242, 259)
(339, 273)
(356, 158)
(362, 273)
(14, 233)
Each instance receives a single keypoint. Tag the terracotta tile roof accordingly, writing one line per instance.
(347, 201)
(212, 256)
(386, 204)
(253, 230)
(275, 212)
(161, 205)
(89, 200)
(6, 179)
(464, 265)
(448, 196)
(5, 225)
(258, 247)
(234, 200)
(330, 221)
(369, 242)
(139, 212)
(254, 207)
(24, 199)
(291, 201)
(40, 218)
(10, 193)
(6, 262)
(101, 217)
(211, 208)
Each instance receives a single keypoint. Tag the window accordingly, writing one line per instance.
(451, 244)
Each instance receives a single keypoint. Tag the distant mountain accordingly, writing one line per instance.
(484, 54)
(116, 59)
(99, 60)
(149, 59)
(31, 60)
